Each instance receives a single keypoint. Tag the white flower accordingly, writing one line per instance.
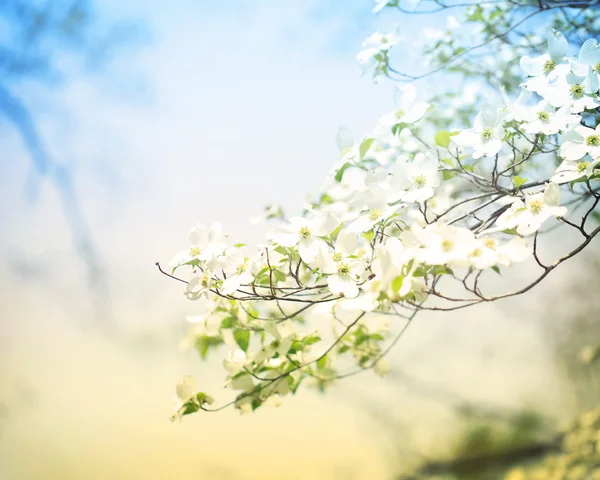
(581, 141)
(380, 5)
(305, 233)
(375, 51)
(345, 269)
(572, 170)
(205, 244)
(383, 41)
(238, 269)
(373, 203)
(549, 67)
(235, 361)
(382, 367)
(199, 285)
(570, 91)
(486, 136)
(391, 261)
(528, 217)
(418, 178)
(185, 389)
(588, 64)
(444, 245)
(284, 335)
(344, 139)
(543, 118)
(488, 252)
(407, 109)
(186, 393)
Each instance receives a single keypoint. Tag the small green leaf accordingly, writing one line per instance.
(496, 269)
(242, 338)
(228, 322)
(442, 138)
(190, 407)
(364, 146)
(397, 128)
(340, 173)
(519, 181)
(397, 283)
(322, 362)
(447, 175)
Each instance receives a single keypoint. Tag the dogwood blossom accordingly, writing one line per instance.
(569, 171)
(527, 217)
(485, 138)
(306, 233)
(549, 67)
(418, 178)
(581, 141)
(408, 110)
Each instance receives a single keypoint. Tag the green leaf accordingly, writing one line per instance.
(519, 181)
(496, 269)
(242, 338)
(204, 342)
(447, 175)
(279, 275)
(442, 138)
(190, 407)
(442, 270)
(364, 146)
(340, 172)
(322, 362)
(397, 283)
(398, 127)
(228, 322)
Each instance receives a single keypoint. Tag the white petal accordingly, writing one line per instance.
(572, 150)
(533, 66)
(342, 285)
(404, 96)
(557, 44)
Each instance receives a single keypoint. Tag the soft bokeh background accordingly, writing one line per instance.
(206, 111)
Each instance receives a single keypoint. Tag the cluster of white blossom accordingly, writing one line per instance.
(404, 207)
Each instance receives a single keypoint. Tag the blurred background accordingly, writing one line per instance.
(122, 124)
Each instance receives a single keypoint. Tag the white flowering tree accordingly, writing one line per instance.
(421, 214)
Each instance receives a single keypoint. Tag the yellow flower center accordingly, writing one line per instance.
(304, 232)
(476, 253)
(343, 269)
(536, 206)
(447, 245)
(490, 243)
(597, 67)
(592, 141)
(544, 116)
(195, 251)
(241, 268)
(577, 91)
(582, 167)
(337, 257)
(375, 214)
(420, 180)
(400, 114)
(487, 134)
(549, 66)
